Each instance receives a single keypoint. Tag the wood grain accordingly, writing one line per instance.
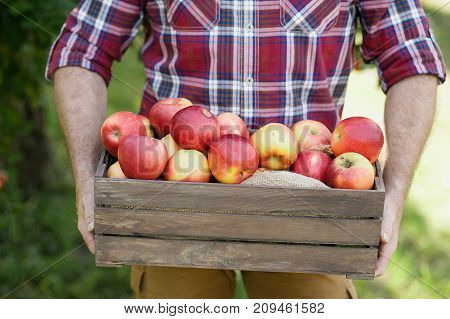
(211, 225)
(379, 183)
(243, 198)
(102, 164)
(118, 250)
(106, 160)
(241, 226)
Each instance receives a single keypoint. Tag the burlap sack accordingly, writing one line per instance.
(264, 177)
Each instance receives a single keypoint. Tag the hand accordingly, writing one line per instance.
(85, 209)
(393, 208)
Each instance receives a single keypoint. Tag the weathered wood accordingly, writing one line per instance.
(243, 198)
(238, 226)
(112, 250)
(106, 159)
(102, 164)
(379, 184)
(361, 276)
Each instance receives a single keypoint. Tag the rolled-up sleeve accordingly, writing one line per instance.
(96, 33)
(398, 38)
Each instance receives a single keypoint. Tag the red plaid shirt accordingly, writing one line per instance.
(265, 60)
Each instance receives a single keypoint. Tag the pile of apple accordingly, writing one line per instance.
(193, 144)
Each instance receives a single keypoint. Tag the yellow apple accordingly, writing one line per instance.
(115, 171)
(187, 166)
(170, 144)
(276, 146)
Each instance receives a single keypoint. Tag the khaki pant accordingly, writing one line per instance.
(189, 283)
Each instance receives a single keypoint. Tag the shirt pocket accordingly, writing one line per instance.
(193, 14)
(307, 16)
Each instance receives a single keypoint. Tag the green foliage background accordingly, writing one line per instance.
(37, 214)
(39, 243)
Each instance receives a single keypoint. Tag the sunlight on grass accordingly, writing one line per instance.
(441, 5)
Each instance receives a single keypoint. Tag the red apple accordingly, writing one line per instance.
(313, 164)
(146, 122)
(352, 171)
(187, 166)
(194, 128)
(118, 126)
(115, 171)
(360, 135)
(162, 113)
(230, 123)
(309, 133)
(276, 146)
(142, 157)
(232, 159)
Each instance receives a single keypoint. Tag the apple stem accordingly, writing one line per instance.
(347, 163)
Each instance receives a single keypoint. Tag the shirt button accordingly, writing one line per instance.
(249, 27)
(248, 80)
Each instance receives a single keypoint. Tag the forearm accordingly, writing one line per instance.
(80, 97)
(409, 114)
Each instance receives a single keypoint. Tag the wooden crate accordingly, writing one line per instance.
(211, 225)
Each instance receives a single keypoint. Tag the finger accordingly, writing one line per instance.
(381, 266)
(88, 237)
(90, 242)
(386, 227)
(88, 212)
(387, 224)
(384, 257)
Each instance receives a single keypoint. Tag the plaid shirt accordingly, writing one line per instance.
(265, 60)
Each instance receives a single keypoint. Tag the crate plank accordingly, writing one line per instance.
(123, 250)
(106, 160)
(211, 225)
(102, 164)
(379, 184)
(238, 226)
(244, 198)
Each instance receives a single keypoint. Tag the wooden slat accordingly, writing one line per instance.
(243, 198)
(379, 183)
(102, 164)
(222, 226)
(361, 276)
(118, 250)
(238, 226)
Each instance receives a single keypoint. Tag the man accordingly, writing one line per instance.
(267, 61)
